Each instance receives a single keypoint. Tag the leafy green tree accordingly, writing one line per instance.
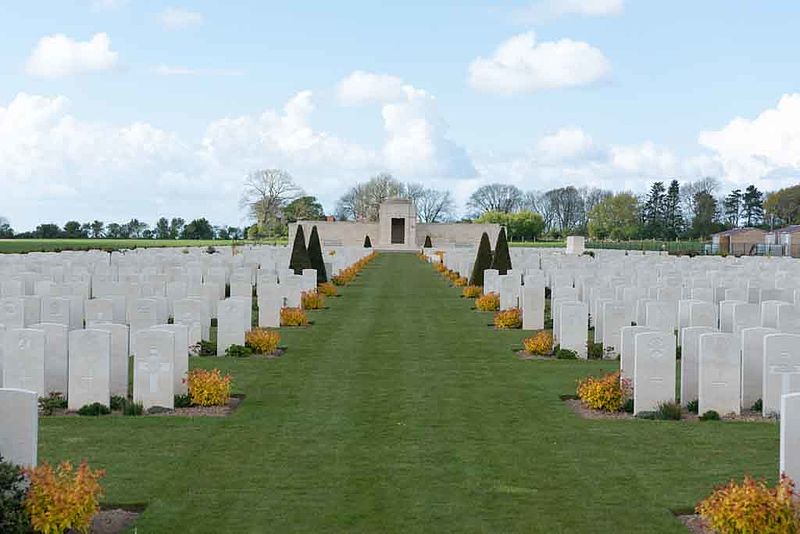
(198, 229)
(752, 206)
(114, 231)
(674, 222)
(136, 228)
(162, 229)
(305, 208)
(501, 260)
(6, 232)
(48, 231)
(705, 220)
(315, 256)
(73, 230)
(299, 259)
(783, 206)
(176, 226)
(483, 261)
(732, 207)
(96, 229)
(653, 211)
(616, 217)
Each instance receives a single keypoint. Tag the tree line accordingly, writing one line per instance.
(175, 228)
(669, 210)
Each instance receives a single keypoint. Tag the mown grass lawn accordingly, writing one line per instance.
(401, 411)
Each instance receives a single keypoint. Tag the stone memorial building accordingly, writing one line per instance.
(397, 229)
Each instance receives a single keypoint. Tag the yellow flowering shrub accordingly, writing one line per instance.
(488, 302)
(349, 274)
(472, 292)
(311, 300)
(508, 319)
(293, 317)
(753, 507)
(607, 393)
(440, 267)
(262, 340)
(327, 289)
(63, 498)
(541, 343)
(460, 282)
(208, 387)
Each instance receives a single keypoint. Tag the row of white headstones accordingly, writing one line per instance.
(88, 359)
(736, 321)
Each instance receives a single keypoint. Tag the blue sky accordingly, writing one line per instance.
(115, 109)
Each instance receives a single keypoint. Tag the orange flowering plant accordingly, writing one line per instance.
(541, 343)
(63, 498)
(488, 302)
(607, 393)
(262, 340)
(208, 387)
(293, 317)
(508, 319)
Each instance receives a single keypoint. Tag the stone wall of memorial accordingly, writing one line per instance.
(456, 234)
(338, 233)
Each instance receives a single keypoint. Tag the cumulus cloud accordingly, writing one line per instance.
(365, 87)
(56, 56)
(765, 149)
(566, 144)
(545, 10)
(521, 65)
(176, 18)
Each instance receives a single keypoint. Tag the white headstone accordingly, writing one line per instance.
(654, 370)
(690, 362)
(781, 370)
(790, 436)
(153, 377)
(573, 327)
(120, 356)
(627, 349)
(99, 310)
(181, 361)
(19, 419)
(752, 340)
(532, 307)
(56, 349)
(232, 323)
(270, 302)
(720, 374)
(23, 360)
(89, 368)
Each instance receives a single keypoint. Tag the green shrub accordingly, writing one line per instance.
(692, 406)
(565, 354)
(668, 411)
(155, 410)
(594, 351)
(183, 401)
(299, 259)
(502, 257)
(117, 403)
(13, 487)
(52, 402)
(710, 415)
(204, 348)
(132, 408)
(483, 261)
(628, 406)
(94, 409)
(758, 406)
(315, 256)
(238, 351)
(646, 415)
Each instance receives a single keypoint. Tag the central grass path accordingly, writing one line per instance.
(400, 410)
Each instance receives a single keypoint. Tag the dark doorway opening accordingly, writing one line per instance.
(398, 231)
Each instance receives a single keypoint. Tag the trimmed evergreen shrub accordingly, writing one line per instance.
(710, 415)
(299, 260)
(367, 242)
(428, 243)
(94, 409)
(13, 486)
(315, 256)
(483, 261)
(502, 257)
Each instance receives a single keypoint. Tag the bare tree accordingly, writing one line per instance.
(434, 206)
(266, 193)
(591, 196)
(689, 194)
(567, 207)
(362, 201)
(495, 197)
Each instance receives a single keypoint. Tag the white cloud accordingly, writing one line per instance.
(521, 65)
(545, 10)
(176, 70)
(566, 144)
(764, 150)
(176, 18)
(364, 87)
(56, 56)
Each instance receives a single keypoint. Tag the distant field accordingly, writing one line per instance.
(538, 244)
(16, 246)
